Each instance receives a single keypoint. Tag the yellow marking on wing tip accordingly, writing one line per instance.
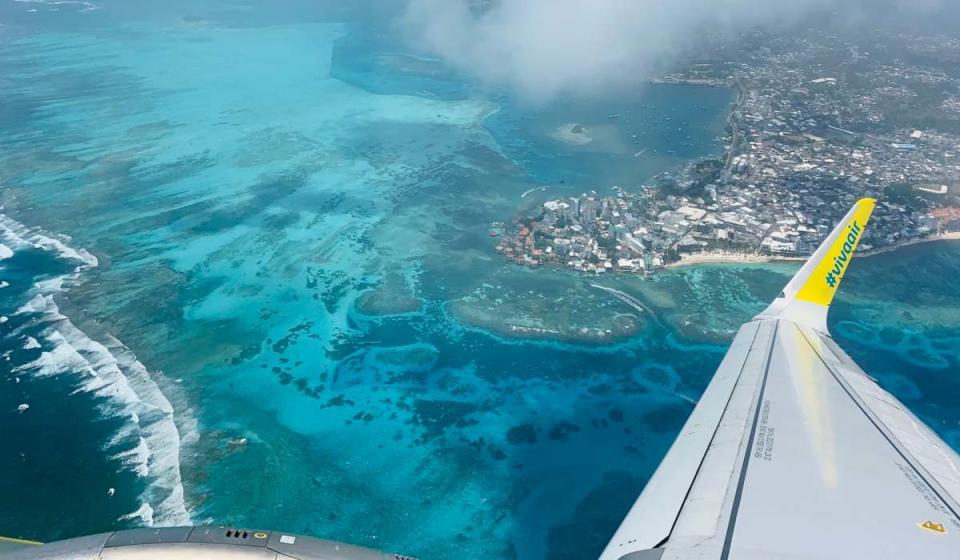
(934, 527)
(822, 284)
(19, 541)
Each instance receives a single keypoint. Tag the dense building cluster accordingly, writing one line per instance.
(818, 124)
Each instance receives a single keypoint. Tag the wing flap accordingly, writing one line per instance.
(652, 517)
(794, 452)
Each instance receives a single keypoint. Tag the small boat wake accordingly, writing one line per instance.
(533, 190)
(625, 298)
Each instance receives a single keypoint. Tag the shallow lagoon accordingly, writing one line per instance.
(291, 229)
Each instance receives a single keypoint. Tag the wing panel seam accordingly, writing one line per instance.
(716, 429)
(728, 540)
(890, 438)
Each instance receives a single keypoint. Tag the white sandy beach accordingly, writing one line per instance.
(716, 257)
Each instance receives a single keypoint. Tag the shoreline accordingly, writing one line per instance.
(947, 236)
(752, 258)
(97, 363)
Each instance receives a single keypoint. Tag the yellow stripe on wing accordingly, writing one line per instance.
(822, 284)
(12, 540)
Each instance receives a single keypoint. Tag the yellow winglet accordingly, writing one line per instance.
(807, 297)
(822, 284)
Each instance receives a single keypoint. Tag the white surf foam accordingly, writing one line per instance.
(149, 442)
(5, 252)
(82, 5)
(16, 235)
(31, 343)
(144, 513)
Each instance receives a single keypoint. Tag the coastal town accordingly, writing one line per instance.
(808, 136)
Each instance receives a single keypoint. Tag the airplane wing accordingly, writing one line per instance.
(10, 544)
(793, 452)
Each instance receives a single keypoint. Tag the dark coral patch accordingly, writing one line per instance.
(596, 518)
(437, 416)
(525, 433)
(562, 430)
(668, 418)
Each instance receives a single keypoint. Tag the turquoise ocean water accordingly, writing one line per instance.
(251, 283)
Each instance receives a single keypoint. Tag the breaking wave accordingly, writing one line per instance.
(54, 5)
(17, 236)
(148, 443)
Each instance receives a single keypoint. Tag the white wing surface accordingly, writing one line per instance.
(793, 452)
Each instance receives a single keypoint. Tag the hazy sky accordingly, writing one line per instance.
(544, 47)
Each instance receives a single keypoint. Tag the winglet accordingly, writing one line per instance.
(808, 295)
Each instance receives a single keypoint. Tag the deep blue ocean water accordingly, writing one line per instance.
(287, 289)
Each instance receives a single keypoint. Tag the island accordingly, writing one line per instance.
(808, 136)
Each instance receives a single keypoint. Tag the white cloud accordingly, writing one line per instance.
(546, 47)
